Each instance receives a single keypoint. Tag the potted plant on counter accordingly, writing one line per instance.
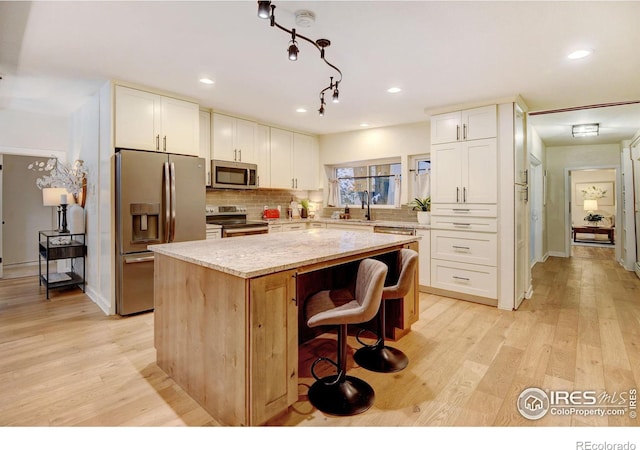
(305, 208)
(423, 206)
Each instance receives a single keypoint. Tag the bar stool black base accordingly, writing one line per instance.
(350, 397)
(381, 359)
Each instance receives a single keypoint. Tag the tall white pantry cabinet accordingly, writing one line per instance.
(472, 209)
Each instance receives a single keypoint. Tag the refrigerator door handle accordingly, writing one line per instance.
(173, 202)
(167, 201)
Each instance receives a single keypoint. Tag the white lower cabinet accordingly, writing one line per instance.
(473, 279)
(472, 248)
(294, 226)
(424, 257)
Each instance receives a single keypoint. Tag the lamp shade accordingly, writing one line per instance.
(590, 205)
(54, 196)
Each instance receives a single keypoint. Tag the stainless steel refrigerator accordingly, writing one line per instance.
(160, 198)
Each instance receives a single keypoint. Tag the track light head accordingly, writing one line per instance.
(293, 51)
(264, 10)
(336, 96)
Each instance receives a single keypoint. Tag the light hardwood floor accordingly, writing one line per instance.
(64, 363)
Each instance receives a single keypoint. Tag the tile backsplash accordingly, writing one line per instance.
(256, 199)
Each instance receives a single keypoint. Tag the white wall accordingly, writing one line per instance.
(400, 141)
(36, 136)
(22, 211)
(571, 157)
(25, 133)
(84, 137)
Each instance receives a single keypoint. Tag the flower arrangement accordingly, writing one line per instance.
(592, 217)
(593, 193)
(72, 177)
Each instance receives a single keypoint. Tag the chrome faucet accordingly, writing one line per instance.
(366, 196)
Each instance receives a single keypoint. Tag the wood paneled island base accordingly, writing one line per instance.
(229, 335)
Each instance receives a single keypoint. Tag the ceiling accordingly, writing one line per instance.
(53, 55)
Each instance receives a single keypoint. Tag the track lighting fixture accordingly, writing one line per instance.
(293, 46)
(266, 10)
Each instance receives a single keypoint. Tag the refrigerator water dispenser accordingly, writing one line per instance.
(145, 222)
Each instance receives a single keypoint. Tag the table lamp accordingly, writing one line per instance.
(590, 206)
(57, 197)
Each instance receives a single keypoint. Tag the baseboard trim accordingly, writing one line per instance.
(460, 296)
(558, 254)
(96, 298)
(545, 257)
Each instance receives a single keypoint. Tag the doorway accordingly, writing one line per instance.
(592, 209)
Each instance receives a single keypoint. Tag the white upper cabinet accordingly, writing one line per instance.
(294, 160)
(467, 125)
(464, 172)
(205, 144)
(263, 156)
(305, 162)
(234, 139)
(282, 159)
(148, 121)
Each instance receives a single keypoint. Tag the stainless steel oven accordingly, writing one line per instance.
(233, 221)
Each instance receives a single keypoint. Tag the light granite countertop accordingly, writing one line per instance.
(262, 254)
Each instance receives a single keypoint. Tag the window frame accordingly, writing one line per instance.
(367, 163)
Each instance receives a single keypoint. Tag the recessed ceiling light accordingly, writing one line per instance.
(578, 54)
(364, 124)
(301, 110)
(206, 81)
(394, 90)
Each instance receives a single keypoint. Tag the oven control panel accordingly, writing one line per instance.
(212, 210)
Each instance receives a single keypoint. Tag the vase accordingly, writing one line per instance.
(76, 219)
(424, 217)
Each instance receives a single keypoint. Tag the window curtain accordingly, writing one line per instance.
(423, 185)
(396, 192)
(334, 195)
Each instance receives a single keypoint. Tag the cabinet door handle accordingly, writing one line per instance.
(460, 210)
(157, 142)
(164, 143)
(464, 132)
(460, 278)
(293, 183)
(459, 247)
(240, 155)
(464, 195)
(235, 154)
(457, 195)
(296, 183)
(457, 132)
(458, 224)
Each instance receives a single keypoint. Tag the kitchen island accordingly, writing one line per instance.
(227, 312)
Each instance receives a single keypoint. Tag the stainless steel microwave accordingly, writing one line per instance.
(233, 175)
